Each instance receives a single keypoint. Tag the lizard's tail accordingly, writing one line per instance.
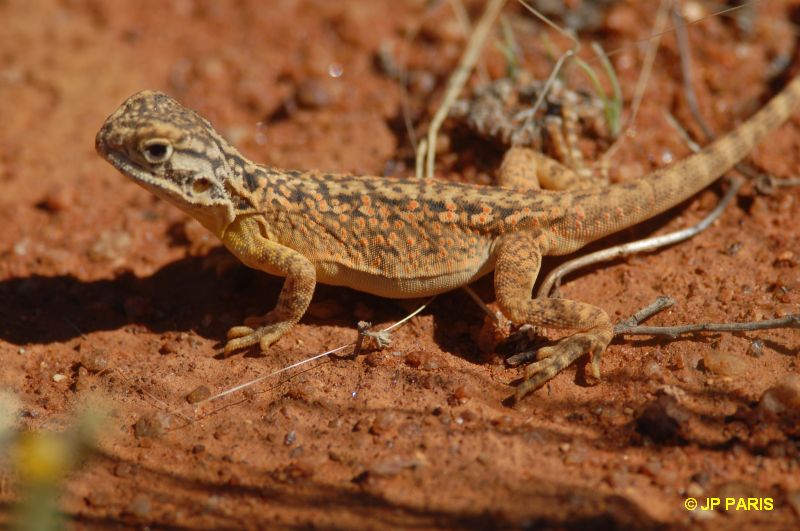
(622, 205)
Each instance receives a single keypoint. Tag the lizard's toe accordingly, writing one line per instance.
(239, 331)
(553, 359)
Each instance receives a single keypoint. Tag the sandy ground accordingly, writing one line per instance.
(105, 290)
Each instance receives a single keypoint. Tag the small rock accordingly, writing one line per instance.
(152, 425)
(415, 358)
(383, 423)
(373, 359)
(783, 397)
(200, 393)
(169, 345)
(393, 465)
(756, 348)
(290, 438)
(504, 422)
(140, 506)
(694, 490)
(124, 470)
(461, 395)
(56, 200)
(110, 246)
(651, 469)
(95, 360)
(292, 473)
(653, 371)
(362, 425)
(662, 420)
(724, 363)
(430, 364)
(59, 377)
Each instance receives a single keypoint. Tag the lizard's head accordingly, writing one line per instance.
(171, 151)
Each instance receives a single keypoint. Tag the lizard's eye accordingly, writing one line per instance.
(156, 150)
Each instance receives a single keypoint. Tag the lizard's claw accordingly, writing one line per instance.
(553, 359)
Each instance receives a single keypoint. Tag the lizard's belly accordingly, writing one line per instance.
(403, 286)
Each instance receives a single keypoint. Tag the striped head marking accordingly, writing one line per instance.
(173, 152)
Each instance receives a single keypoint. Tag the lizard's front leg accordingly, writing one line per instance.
(518, 261)
(246, 240)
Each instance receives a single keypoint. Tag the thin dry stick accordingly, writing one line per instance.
(789, 321)
(459, 77)
(552, 280)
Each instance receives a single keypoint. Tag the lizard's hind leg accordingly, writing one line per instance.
(526, 169)
(518, 262)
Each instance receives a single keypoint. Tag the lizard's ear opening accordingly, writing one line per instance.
(201, 185)
(156, 150)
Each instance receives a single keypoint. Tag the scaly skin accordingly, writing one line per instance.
(405, 238)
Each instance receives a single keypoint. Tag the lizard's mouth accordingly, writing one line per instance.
(114, 153)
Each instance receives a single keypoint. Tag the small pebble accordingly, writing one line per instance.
(124, 470)
(59, 377)
(95, 360)
(653, 371)
(56, 200)
(783, 397)
(152, 425)
(290, 438)
(373, 359)
(756, 348)
(110, 246)
(461, 395)
(383, 423)
(662, 419)
(415, 358)
(694, 490)
(724, 363)
(199, 394)
(430, 364)
(140, 506)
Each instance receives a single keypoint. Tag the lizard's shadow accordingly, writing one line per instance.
(181, 296)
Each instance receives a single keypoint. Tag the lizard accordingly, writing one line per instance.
(407, 238)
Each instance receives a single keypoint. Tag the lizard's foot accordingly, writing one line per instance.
(555, 358)
(256, 330)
